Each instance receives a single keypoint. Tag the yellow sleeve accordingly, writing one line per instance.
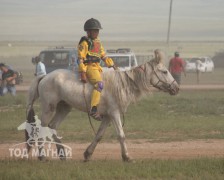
(109, 62)
(82, 67)
(82, 52)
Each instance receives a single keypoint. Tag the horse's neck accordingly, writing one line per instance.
(127, 89)
(137, 81)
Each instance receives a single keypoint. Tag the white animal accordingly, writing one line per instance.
(60, 91)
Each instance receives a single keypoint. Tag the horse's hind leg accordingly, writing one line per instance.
(47, 113)
(89, 151)
(61, 111)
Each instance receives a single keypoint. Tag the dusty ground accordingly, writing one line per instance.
(142, 149)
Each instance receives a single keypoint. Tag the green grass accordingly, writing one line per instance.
(160, 117)
(199, 169)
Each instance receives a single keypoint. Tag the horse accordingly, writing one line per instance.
(61, 90)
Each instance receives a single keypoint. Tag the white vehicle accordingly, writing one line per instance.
(206, 65)
(124, 59)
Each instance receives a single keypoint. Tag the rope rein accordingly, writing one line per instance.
(87, 109)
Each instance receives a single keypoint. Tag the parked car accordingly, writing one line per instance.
(206, 65)
(58, 58)
(123, 58)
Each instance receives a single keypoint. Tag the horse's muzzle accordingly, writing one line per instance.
(174, 89)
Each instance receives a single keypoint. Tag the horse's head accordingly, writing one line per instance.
(161, 78)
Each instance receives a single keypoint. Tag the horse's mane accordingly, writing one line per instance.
(126, 86)
(129, 86)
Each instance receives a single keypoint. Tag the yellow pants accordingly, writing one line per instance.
(94, 76)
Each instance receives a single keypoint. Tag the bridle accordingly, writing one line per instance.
(168, 86)
(143, 69)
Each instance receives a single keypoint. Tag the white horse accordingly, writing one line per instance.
(61, 90)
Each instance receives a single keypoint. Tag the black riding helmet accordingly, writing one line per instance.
(92, 24)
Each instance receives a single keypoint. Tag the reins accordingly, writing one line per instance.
(87, 109)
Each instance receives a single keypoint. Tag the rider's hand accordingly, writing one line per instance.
(83, 77)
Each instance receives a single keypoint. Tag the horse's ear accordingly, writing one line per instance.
(159, 56)
(161, 67)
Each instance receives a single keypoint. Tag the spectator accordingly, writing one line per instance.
(8, 80)
(40, 67)
(176, 66)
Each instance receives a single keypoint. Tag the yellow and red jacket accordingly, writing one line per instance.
(90, 52)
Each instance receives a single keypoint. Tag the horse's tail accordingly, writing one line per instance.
(32, 96)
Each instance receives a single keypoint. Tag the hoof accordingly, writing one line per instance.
(61, 153)
(42, 158)
(127, 159)
(87, 156)
(86, 160)
(62, 158)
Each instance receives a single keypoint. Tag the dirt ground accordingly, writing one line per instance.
(142, 149)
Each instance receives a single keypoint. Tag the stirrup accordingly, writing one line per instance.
(96, 116)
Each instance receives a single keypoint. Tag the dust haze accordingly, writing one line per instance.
(57, 20)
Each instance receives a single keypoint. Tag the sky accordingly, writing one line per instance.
(122, 20)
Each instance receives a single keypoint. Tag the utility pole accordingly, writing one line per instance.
(169, 25)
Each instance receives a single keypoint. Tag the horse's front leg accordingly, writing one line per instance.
(121, 136)
(89, 151)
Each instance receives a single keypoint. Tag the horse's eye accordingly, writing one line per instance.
(164, 72)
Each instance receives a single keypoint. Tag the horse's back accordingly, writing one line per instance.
(62, 85)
